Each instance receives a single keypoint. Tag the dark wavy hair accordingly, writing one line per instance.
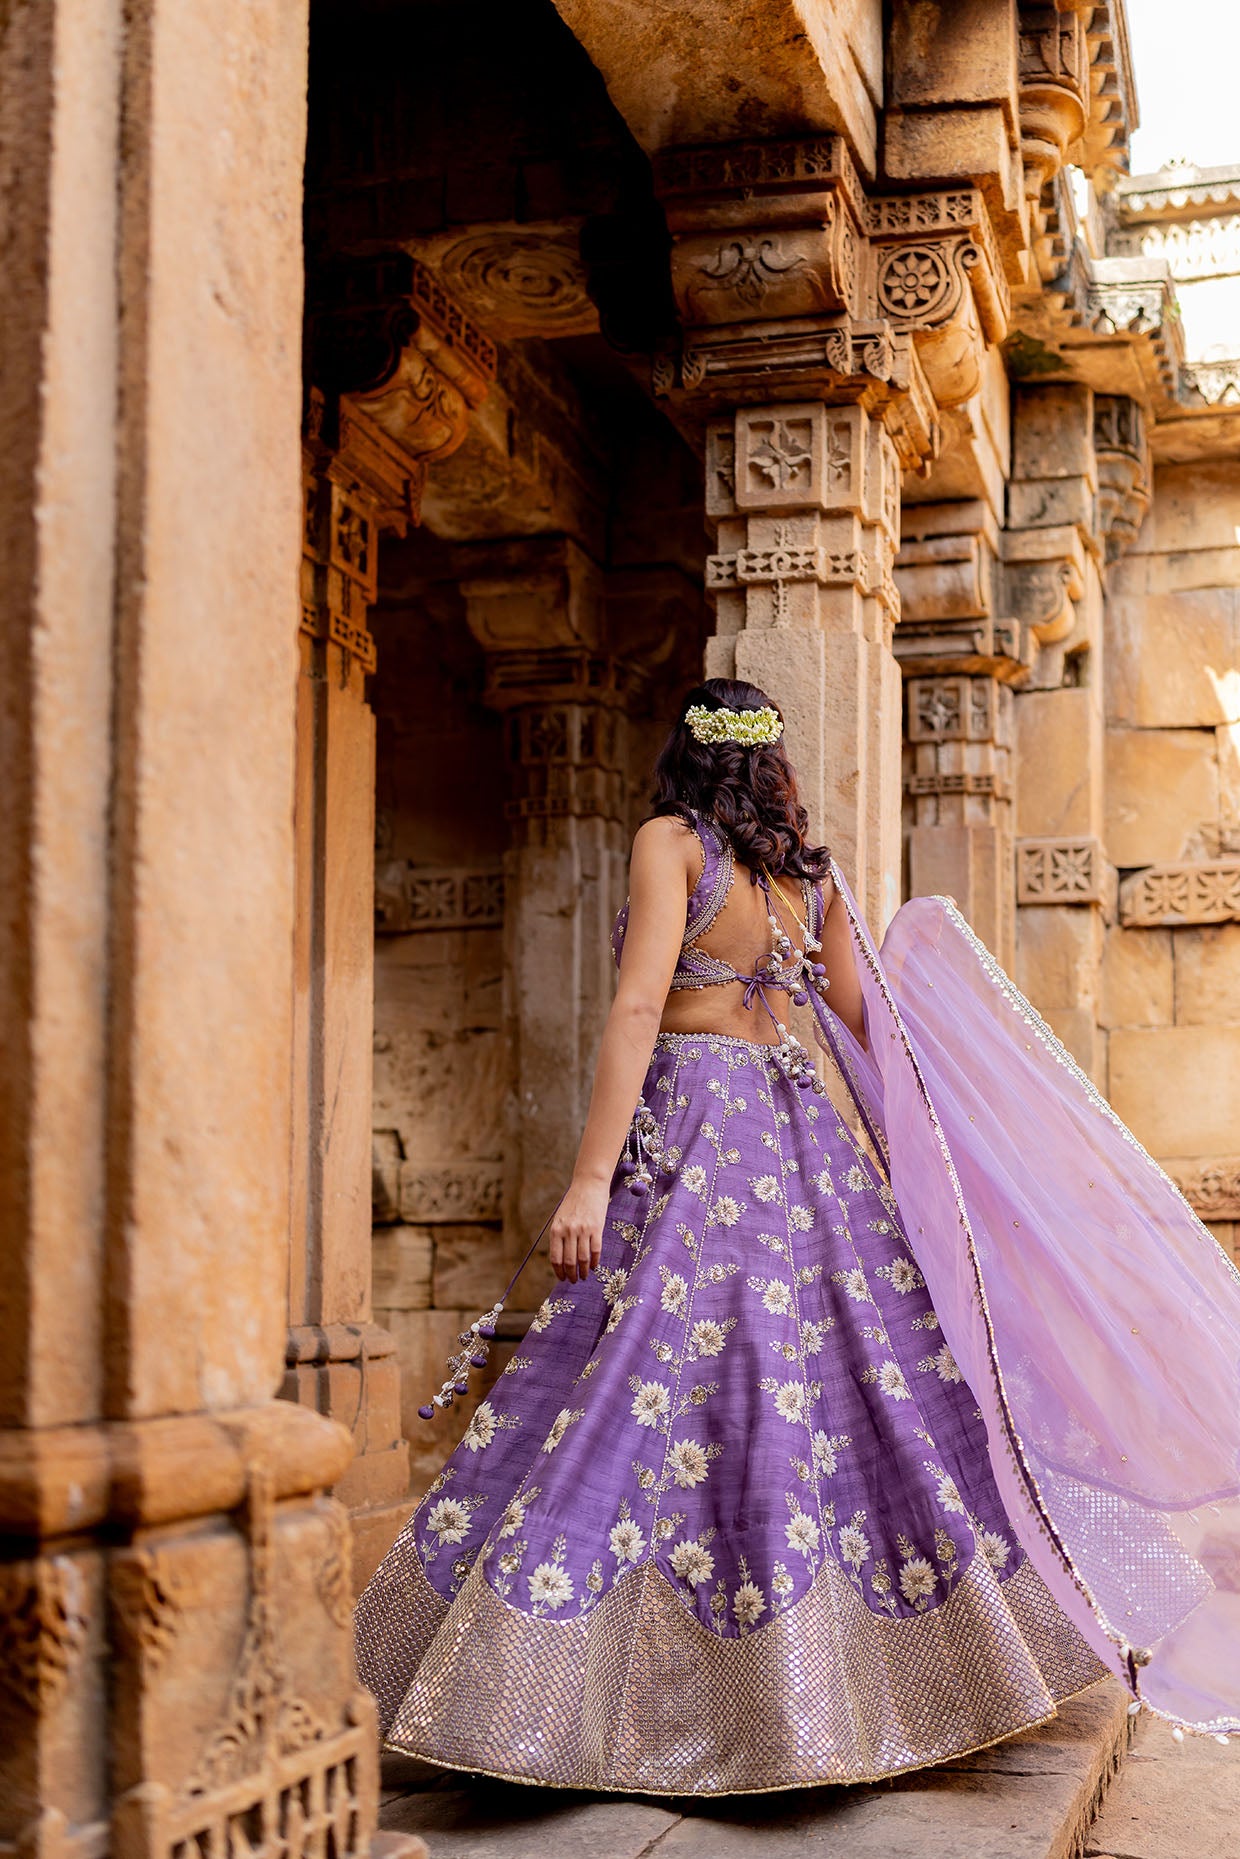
(750, 793)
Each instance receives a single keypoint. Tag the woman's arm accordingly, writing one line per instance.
(840, 961)
(661, 874)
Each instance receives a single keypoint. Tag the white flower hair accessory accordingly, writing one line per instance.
(750, 728)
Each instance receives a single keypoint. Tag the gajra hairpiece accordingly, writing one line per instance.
(751, 728)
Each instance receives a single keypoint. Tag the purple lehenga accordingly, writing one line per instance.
(728, 1520)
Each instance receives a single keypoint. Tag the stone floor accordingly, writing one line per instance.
(1170, 1801)
(1031, 1798)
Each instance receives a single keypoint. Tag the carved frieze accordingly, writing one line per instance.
(1171, 895)
(411, 897)
(1211, 1187)
(462, 1194)
(1062, 871)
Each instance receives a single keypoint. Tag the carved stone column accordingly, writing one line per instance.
(1052, 560)
(176, 1672)
(960, 662)
(385, 329)
(538, 613)
(805, 497)
(800, 363)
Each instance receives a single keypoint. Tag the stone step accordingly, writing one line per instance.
(1171, 1800)
(1033, 1797)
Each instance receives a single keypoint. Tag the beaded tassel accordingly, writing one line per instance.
(475, 1348)
(640, 1167)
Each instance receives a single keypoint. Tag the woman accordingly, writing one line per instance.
(830, 1456)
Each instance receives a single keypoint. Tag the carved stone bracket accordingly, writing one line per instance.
(762, 230)
(1054, 91)
(1125, 477)
(936, 270)
(1171, 895)
(1063, 871)
(384, 331)
(1043, 578)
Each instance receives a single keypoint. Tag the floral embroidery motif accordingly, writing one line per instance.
(652, 1403)
(902, 1275)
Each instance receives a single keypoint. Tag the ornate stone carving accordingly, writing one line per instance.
(334, 1580)
(42, 1629)
(149, 1600)
(1054, 91)
(411, 897)
(1211, 1188)
(1193, 249)
(1168, 895)
(1217, 383)
(461, 1194)
(264, 1721)
(958, 709)
(517, 280)
(1124, 474)
(384, 332)
(1061, 871)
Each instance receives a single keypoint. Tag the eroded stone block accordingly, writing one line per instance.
(1178, 1087)
(1162, 794)
(1137, 978)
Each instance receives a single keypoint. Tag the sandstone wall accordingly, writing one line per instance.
(1170, 995)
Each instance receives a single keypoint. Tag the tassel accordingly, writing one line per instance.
(475, 1342)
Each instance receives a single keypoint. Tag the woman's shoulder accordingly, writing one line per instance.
(665, 830)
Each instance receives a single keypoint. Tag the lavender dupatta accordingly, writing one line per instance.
(1095, 1318)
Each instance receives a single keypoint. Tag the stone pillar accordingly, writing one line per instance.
(383, 328)
(823, 333)
(805, 498)
(177, 1671)
(959, 662)
(1052, 557)
(339, 1361)
(538, 613)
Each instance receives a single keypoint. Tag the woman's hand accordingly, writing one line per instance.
(577, 1230)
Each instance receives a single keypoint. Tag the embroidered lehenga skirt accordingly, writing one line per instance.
(726, 1522)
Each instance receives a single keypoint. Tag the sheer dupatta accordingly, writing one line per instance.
(1093, 1315)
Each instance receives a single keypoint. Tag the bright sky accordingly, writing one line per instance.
(1186, 59)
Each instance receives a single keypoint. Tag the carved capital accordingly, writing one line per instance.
(1043, 578)
(762, 230)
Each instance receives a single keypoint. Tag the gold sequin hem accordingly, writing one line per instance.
(640, 1698)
